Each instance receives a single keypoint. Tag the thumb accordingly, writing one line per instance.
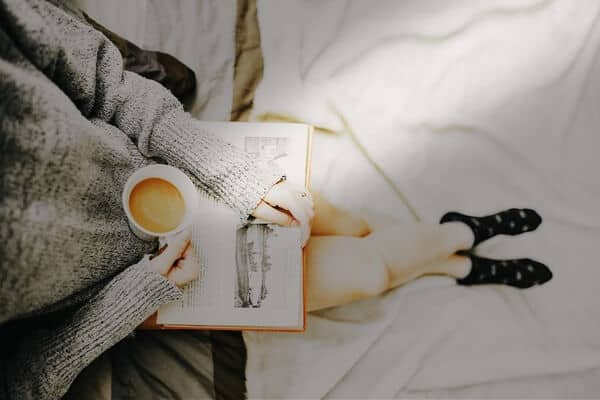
(270, 214)
(175, 246)
(186, 269)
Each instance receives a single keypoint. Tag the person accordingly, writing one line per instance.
(75, 280)
(73, 126)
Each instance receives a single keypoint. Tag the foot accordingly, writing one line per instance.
(520, 273)
(510, 222)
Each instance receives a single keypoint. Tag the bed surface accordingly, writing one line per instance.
(469, 106)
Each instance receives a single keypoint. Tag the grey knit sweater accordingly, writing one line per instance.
(73, 127)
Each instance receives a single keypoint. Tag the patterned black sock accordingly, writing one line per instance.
(510, 222)
(521, 273)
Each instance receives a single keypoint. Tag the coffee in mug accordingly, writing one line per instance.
(156, 205)
(159, 201)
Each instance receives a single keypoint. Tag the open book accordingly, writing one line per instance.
(251, 275)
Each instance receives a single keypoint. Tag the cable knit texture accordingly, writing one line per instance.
(231, 175)
(53, 357)
(73, 127)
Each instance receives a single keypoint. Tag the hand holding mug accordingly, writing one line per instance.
(176, 260)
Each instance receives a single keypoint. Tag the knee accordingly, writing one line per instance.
(342, 223)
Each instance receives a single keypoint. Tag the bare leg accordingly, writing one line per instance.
(412, 250)
(348, 261)
(345, 269)
(455, 266)
(332, 221)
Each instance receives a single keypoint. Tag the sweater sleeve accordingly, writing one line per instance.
(48, 360)
(88, 68)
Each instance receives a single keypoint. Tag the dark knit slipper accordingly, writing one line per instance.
(510, 222)
(520, 273)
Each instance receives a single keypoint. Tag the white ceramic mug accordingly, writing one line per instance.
(175, 177)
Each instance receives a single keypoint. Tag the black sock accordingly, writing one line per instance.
(510, 222)
(521, 273)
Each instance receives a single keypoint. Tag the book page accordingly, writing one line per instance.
(251, 275)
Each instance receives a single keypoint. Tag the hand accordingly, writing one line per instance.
(176, 260)
(287, 204)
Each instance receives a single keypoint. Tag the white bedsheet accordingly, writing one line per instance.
(466, 105)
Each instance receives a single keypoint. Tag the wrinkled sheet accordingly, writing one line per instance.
(464, 105)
